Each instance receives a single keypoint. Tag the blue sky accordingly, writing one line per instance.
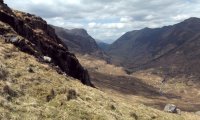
(107, 20)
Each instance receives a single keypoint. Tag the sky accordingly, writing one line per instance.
(107, 20)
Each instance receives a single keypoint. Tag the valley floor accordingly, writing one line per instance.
(143, 86)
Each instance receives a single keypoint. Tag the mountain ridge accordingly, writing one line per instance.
(147, 48)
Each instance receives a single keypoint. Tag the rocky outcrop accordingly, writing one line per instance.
(33, 35)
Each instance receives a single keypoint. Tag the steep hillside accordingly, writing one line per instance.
(173, 50)
(79, 41)
(32, 35)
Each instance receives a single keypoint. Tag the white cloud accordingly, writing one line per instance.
(180, 17)
(58, 21)
(94, 25)
(149, 17)
(126, 19)
(107, 19)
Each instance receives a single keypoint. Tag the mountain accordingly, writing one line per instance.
(172, 49)
(79, 41)
(104, 46)
(31, 34)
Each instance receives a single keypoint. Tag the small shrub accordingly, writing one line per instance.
(88, 99)
(51, 96)
(17, 75)
(30, 70)
(71, 94)
(134, 116)
(153, 117)
(3, 71)
(113, 107)
(7, 55)
(9, 91)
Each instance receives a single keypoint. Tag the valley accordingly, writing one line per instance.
(142, 86)
(49, 72)
(152, 83)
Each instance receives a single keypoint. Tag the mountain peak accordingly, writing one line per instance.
(192, 19)
(79, 31)
(79, 41)
(154, 46)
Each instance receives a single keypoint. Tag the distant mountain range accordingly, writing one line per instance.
(173, 49)
(79, 41)
(102, 45)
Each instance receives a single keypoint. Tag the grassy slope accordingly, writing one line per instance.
(33, 88)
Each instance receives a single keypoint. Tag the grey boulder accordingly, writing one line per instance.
(171, 108)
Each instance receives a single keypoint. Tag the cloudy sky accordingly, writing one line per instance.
(108, 19)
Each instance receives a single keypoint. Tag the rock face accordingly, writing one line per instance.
(79, 41)
(33, 35)
(174, 49)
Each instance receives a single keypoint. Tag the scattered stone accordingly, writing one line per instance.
(12, 38)
(47, 59)
(190, 83)
(51, 96)
(64, 74)
(60, 45)
(71, 94)
(197, 113)
(171, 108)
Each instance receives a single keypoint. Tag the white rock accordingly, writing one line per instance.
(47, 59)
(171, 108)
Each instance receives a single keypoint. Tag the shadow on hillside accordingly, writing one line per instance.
(128, 85)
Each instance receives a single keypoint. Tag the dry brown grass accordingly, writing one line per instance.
(100, 66)
(32, 89)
